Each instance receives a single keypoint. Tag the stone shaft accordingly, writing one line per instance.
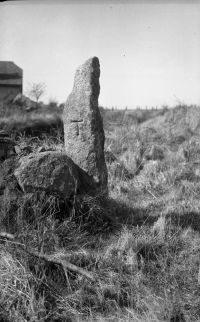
(83, 125)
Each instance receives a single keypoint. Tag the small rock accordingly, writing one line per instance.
(17, 149)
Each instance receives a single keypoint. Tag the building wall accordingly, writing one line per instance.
(7, 90)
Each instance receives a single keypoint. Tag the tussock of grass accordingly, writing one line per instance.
(18, 294)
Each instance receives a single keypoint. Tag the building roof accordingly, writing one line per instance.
(10, 73)
(9, 68)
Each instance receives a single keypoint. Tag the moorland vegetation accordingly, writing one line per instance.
(141, 244)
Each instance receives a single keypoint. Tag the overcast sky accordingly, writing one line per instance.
(149, 52)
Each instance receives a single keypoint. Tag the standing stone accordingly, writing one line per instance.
(83, 125)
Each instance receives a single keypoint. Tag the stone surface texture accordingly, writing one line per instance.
(53, 172)
(83, 125)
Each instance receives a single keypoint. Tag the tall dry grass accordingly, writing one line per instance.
(142, 243)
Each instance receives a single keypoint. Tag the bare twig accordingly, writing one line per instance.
(64, 263)
(50, 258)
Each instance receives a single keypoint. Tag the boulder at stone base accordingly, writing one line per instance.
(52, 172)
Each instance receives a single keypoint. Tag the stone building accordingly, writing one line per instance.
(11, 79)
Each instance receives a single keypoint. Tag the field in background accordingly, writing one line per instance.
(17, 118)
(142, 244)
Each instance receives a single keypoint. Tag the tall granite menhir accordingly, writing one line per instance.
(83, 125)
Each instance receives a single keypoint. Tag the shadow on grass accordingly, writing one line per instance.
(95, 215)
(185, 220)
(121, 214)
(142, 216)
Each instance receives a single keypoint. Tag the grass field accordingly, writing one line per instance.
(142, 244)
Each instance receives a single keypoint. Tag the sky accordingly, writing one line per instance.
(149, 51)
